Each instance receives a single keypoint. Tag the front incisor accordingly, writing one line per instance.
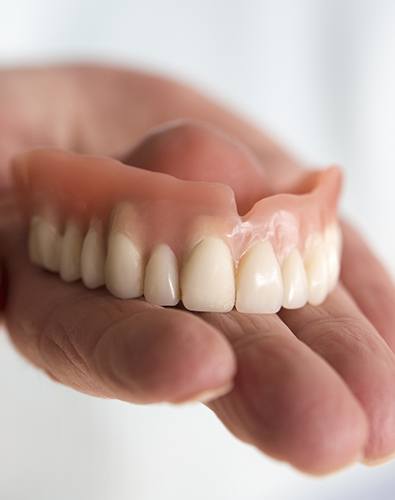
(207, 277)
(161, 285)
(259, 280)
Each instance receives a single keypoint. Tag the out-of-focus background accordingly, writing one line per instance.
(321, 77)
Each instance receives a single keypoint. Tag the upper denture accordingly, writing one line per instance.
(134, 211)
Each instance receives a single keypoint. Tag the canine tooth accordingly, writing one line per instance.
(316, 270)
(259, 281)
(295, 281)
(93, 256)
(48, 244)
(124, 267)
(207, 278)
(161, 277)
(33, 240)
(70, 253)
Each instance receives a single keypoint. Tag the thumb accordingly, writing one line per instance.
(197, 151)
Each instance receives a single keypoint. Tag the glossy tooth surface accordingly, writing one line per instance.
(333, 266)
(259, 281)
(93, 256)
(294, 280)
(33, 240)
(161, 285)
(70, 254)
(124, 267)
(316, 270)
(333, 233)
(207, 278)
(333, 249)
(48, 244)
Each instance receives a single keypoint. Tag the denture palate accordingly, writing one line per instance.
(144, 233)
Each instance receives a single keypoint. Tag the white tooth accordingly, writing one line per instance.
(93, 256)
(259, 281)
(124, 267)
(161, 277)
(295, 281)
(333, 249)
(48, 244)
(207, 278)
(70, 254)
(33, 240)
(333, 265)
(316, 270)
(333, 234)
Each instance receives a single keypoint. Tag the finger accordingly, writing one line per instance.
(286, 400)
(197, 151)
(362, 273)
(107, 347)
(369, 283)
(285, 395)
(85, 111)
(341, 334)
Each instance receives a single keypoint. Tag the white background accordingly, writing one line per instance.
(321, 77)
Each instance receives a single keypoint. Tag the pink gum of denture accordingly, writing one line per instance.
(165, 209)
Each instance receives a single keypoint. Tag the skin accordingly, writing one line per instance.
(312, 387)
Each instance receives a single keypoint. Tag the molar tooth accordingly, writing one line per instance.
(295, 281)
(207, 278)
(316, 270)
(161, 277)
(70, 254)
(124, 267)
(33, 240)
(48, 244)
(259, 280)
(93, 256)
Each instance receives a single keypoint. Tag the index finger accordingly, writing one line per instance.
(107, 347)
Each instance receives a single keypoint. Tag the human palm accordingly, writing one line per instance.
(313, 387)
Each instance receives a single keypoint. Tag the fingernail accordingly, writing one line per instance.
(3, 286)
(209, 395)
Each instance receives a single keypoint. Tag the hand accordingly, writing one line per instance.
(312, 387)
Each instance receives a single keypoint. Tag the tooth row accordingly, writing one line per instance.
(208, 280)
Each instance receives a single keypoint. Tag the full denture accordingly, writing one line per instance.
(149, 233)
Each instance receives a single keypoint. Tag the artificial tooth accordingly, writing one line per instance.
(259, 280)
(33, 240)
(93, 256)
(333, 233)
(70, 254)
(124, 267)
(333, 249)
(294, 280)
(207, 278)
(316, 270)
(161, 285)
(48, 242)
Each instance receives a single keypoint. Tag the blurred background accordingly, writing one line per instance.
(320, 76)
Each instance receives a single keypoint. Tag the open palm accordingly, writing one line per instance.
(313, 387)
